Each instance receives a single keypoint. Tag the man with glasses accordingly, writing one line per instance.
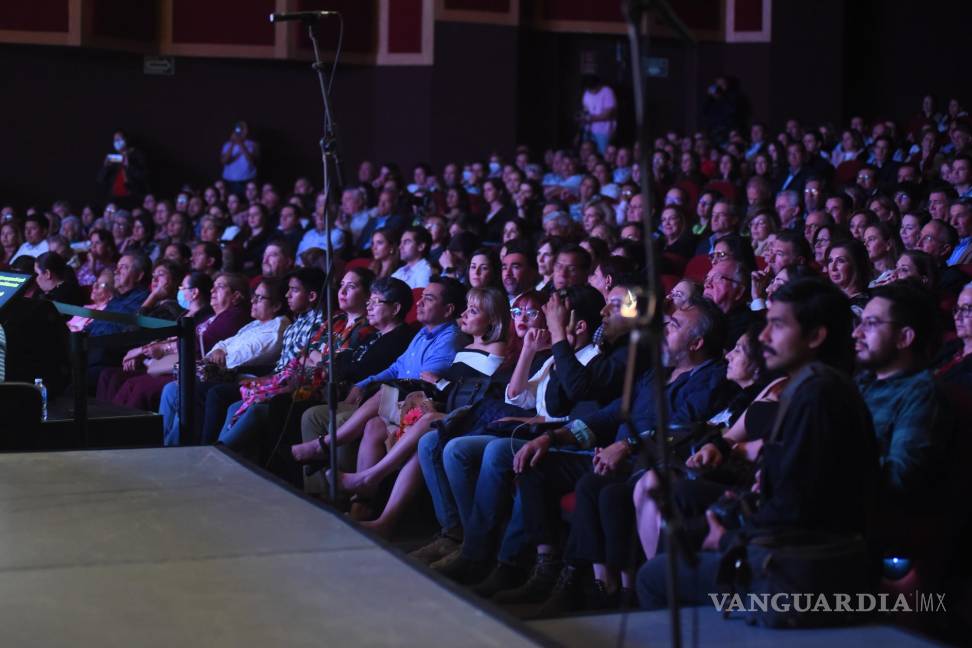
(894, 341)
(727, 286)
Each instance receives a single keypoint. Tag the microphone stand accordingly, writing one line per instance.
(329, 159)
(651, 324)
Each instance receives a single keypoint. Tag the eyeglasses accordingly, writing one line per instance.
(962, 312)
(719, 255)
(259, 298)
(871, 323)
(865, 177)
(374, 301)
(712, 279)
(529, 313)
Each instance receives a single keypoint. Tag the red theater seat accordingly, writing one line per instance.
(698, 267)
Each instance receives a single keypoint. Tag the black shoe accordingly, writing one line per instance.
(462, 570)
(537, 588)
(567, 595)
(503, 577)
(598, 597)
(441, 546)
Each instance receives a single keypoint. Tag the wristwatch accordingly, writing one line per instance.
(633, 443)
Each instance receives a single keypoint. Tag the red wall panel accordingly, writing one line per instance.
(360, 25)
(223, 22)
(749, 15)
(36, 15)
(134, 21)
(592, 10)
(404, 26)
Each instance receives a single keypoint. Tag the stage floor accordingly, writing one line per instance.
(185, 547)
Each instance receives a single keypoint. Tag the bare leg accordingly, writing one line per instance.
(367, 480)
(407, 485)
(628, 579)
(646, 512)
(351, 430)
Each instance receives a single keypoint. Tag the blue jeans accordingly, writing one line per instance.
(169, 409)
(440, 483)
(693, 583)
(244, 435)
(492, 496)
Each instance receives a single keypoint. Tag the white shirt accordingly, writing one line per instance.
(314, 239)
(535, 394)
(597, 103)
(257, 343)
(29, 249)
(416, 276)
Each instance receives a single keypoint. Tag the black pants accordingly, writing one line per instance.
(602, 526)
(541, 488)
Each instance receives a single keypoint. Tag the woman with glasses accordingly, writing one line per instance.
(958, 368)
(825, 236)
(733, 247)
(102, 290)
(761, 227)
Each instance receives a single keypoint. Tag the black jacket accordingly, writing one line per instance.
(574, 388)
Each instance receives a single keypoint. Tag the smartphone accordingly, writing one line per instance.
(115, 158)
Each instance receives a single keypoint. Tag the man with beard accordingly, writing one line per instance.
(894, 341)
(551, 465)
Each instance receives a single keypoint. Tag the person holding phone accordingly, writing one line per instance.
(239, 157)
(123, 177)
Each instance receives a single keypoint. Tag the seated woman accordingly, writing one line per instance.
(102, 292)
(306, 372)
(162, 301)
(850, 270)
(56, 280)
(957, 369)
(486, 320)
(883, 248)
(384, 253)
(257, 344)
(230, 304)
(101, 256)
(678, 238)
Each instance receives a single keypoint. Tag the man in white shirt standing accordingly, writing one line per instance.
(600, 111)
(412, 249)
(35, 233)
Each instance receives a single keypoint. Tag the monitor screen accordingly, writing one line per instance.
(11, 284)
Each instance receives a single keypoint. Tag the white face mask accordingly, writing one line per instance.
(119, 144)
(494, 167)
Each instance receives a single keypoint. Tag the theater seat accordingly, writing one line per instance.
(846, 172)
(567, 505)
(698, 267)
(727, 189)
(360, 262)
(668, 282)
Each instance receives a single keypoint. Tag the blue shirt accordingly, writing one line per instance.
(130, 302)
(959, 251)
(431, 351)
(240, 169)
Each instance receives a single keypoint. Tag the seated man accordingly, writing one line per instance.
(804, 483)
(894, 341)
(413, 249)
(430, 353)
(727, 286)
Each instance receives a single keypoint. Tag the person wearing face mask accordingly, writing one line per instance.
(123, 177)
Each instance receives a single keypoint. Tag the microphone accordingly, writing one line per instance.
(303, 16)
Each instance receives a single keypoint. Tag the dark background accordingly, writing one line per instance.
(490, 88)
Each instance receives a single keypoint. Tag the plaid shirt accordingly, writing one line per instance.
(297, 335)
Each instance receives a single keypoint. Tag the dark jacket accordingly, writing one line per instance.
(574, 389)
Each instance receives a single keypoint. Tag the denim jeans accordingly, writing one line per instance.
(440, 483)
(492, 497)
(694, 584)
(244, 435)
(169, 409)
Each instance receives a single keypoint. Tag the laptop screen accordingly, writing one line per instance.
(11, 285)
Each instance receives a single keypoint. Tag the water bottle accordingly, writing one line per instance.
(39, 384)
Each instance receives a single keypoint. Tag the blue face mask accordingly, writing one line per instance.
(182, 299)
(119, 144)
(467, 176)
(494, 167)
